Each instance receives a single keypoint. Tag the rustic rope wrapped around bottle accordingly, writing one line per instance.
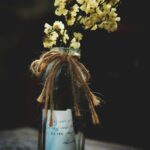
(78, 72)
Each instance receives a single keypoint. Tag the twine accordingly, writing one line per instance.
(78, 73)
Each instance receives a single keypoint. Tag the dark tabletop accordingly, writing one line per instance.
(26, 139)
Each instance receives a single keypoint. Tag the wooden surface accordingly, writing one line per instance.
(26, 139)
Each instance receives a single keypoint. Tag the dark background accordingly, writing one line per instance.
(118, 62)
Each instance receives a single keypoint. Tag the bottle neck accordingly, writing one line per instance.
(62, 91)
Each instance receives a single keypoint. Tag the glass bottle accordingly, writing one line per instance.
(67, 132)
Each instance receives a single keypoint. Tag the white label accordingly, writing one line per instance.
(61, 135)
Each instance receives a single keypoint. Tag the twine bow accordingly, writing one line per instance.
(78, 73)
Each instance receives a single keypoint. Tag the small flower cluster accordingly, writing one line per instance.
(104, 17)
(75, 42)
(58, 33)
(89, 14)
(61, 7)
(70, 13)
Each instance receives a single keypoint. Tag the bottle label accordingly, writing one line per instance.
(61, 135)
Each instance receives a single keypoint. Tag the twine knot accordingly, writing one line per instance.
(78, 73)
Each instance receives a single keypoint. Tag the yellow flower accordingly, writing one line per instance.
(60, 7)
(75, 7)
(59, 3)
(80, 1)
(89, 22)
(48, 28)
(117, 19)
(109, 26)
(70, 21)
(71, 16)
(89, 6)
(74, 44)
(78, 36)
(99, 12)
(106, 8)
(61, 11)
(50, 39)
(49, 44)
(74, 10)
(53, 36)
(58, 25)
(94, 27)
